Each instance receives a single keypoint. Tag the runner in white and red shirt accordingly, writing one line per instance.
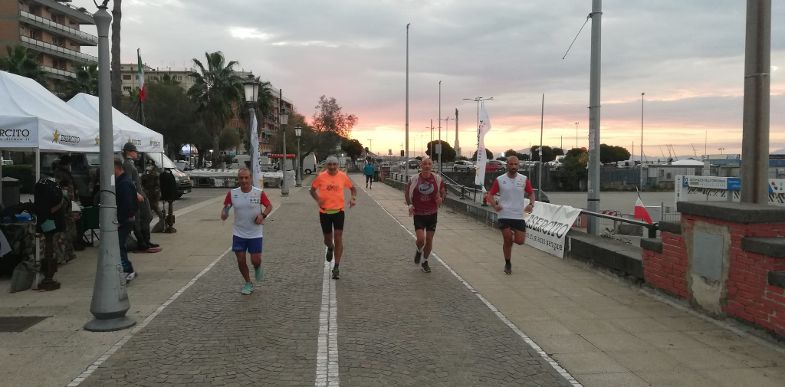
(424, 194)
(248, 227)
(512, 188)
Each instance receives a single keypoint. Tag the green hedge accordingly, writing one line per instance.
(25, 173)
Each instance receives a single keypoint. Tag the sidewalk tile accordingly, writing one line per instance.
(614, 379)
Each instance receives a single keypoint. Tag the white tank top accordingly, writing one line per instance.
(247, 205)
(511, 196)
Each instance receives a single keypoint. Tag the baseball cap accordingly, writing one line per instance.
(129, 147)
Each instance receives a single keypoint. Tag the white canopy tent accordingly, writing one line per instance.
(125, 128)
(31, 117)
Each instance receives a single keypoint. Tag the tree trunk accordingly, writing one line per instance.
(117, 87)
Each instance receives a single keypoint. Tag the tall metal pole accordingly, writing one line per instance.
(406, 167)
(457, 144)
(542, 126)
(440, 128)
(299, 172)
(755, 140)
(594, 116)
(576, 134)
(110, 299)
(282, 125)
(643, 178)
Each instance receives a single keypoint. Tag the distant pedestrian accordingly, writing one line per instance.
(424, 193)
(127, 206)
(327, 189)
(512, 188)
(369, 171)
(248, 229)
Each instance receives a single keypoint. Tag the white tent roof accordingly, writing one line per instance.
(125, 128)
(688, 162)
(32, 117)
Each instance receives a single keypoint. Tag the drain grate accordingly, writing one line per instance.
(19, 323)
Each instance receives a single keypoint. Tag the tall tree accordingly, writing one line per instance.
(170, 112)
(117, 83)
(448, 153)
(331, 125)
(216, 89)
(353, 148)
(488, 154)
(86, 81)
(612, 153)
(20, 61)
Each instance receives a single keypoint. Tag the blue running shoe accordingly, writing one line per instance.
(247, 288)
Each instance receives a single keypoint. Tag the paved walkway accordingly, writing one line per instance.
(383, 323)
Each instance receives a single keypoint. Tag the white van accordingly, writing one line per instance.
(309, 164)
(240, 161)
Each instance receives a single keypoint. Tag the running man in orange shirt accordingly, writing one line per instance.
(327, 189)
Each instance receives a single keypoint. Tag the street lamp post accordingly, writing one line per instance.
(283, 119)
(251, 91)
(643, 178)
(110, 299)
(439, 147)
(298, 131)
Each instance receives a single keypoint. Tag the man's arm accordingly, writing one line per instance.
(530, 191)
(353, 200)
(314, 195)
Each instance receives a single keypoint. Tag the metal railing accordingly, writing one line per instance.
(652, 228)
(79, 56)
(63, 28)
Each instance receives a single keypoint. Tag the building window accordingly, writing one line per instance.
(126, 77)
(127, 89)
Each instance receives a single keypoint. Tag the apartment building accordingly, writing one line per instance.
(51, 30)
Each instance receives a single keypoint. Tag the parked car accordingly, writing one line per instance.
(463, 166)
(183, 165)
(495, 165)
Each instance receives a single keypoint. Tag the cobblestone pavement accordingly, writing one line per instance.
(396, 324)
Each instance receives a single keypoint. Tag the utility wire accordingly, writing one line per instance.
(576, 36)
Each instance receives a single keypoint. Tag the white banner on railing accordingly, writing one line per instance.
(547, 226)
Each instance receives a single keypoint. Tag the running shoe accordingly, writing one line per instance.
(417, 257)
(425, 267)
(258, 273)
(130, 276)
(329, 254)
(508, 267)
(335, 273)
(247, 288)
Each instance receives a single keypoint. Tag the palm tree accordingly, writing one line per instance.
(216, 89)
(86, 81)
(21, 61)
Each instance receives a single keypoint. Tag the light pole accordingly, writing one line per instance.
(251, 91)
(643, 178)
(439, 147)
(110, 299)
(406, 170)
(370, 145)
(576, 134)
(283, 119)
(298, 131)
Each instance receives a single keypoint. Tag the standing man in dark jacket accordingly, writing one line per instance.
(126, 214)
(144, 215)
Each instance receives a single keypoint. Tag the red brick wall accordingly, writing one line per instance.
(667, 271)
(749, 297)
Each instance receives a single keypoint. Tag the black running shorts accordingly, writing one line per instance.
(427, 222)
(515, 224)
(331, 222)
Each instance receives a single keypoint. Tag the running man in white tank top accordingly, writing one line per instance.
(247, 230)
(512, 189)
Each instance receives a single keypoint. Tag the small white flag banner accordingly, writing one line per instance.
(482, 159)
(256, 157)
(547, 226)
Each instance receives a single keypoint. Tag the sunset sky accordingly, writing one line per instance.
(687, 56)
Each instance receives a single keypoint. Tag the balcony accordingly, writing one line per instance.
(79, 14)
(78, 36)
(58, 51)
(57, 73)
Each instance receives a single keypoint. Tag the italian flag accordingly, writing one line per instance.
(140, 71)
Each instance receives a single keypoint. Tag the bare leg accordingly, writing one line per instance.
(507, 246)
(243, 265)
(520, 237)
(420, 233)
(338, 240)
(428, 244)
